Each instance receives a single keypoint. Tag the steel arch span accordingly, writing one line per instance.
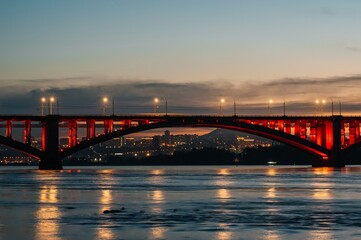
(288, 139)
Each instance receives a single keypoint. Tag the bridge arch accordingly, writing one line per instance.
(22, 147)
(261, 131)
(351, 149)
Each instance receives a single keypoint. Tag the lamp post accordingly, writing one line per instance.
(220, 106)
(156, 101)
(284, 108)
(51, 101)
(323, 103)
(331, 106)
(43, 101)
(234, 108)
(316, 106)
(269, 106)
(105, 104)
(320, 103)
(166, 106)
(57, 106)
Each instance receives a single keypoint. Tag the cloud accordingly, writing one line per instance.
(353, 49)
(82, 95)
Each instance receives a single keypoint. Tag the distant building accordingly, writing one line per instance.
(129, 141)
(156, 143)
(167, 138)
(122, 141)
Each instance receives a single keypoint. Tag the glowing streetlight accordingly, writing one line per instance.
(316, 106)
(156, 101)
(269, 106)
(321, 103)
(105, 101)
(220, 105)
(51, 101)
(43, 101)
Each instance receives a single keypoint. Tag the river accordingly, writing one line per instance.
(180, 202)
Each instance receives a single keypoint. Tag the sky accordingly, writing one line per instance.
(191, 53)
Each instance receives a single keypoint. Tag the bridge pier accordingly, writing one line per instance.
(335, 158)
(50, 159)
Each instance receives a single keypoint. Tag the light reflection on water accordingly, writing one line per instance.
(272, 235)
(320, 235)
(48, 214)
(106, 180)
(224, 235)
(322, 191)
(105, 233)
(157, 233)
(221, 203)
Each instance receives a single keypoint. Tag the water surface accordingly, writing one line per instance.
(178, 202)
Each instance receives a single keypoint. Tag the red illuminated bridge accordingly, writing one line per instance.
(329, 138)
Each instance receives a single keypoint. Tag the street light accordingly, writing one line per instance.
(321, 102)
(166, 106)
(105, 104)
(269, 106)
(316, 106)
(156, 101)
(43, 101)
(51, 101)
(234, 107)
(331, 106)
(220, 106)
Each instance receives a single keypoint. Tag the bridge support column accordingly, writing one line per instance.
(90, 129)
(50, 141)
(27, 132)
(72, 134)
(9, 129)
(335, 158)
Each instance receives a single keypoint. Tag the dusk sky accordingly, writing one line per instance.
(191, 52)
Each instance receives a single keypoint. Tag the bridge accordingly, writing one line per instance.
(329, 138)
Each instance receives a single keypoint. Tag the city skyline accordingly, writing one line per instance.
(191, 53)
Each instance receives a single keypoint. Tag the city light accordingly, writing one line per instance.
(105, 104)
(155, 107)
(43, 100)
(51, 100)
(270, 106)
(320, 103)
(220, 105)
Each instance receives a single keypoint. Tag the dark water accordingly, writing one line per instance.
(181, 203)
